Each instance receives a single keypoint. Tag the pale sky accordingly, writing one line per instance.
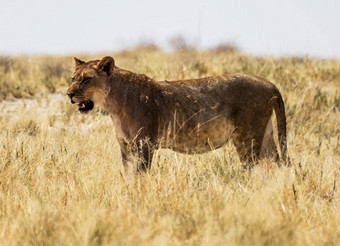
(260, 27)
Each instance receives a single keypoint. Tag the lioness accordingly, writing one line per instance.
(189, 116)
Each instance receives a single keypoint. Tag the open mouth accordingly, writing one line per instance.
(85, 106)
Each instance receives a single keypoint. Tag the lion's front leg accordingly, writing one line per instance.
(145, 154)
(139, 152)
(126, 153)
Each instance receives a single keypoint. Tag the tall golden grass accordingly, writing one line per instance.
(60, 172)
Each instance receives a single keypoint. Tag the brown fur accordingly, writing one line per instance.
(189, 116)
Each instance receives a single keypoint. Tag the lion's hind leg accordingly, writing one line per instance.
(247, 147)
(248, 140)
(268, 148)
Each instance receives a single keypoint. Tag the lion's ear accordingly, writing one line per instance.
(106, 65)
(77, 63)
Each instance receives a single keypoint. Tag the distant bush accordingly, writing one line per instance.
(179, 42)
(200, 67)
(147, 45)
(228, 47)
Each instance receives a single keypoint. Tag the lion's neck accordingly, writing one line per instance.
(125, 90)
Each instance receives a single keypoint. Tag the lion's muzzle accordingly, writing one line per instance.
(71, 95)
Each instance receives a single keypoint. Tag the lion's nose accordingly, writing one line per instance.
(70, 95)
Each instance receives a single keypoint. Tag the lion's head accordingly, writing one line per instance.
(89, 83)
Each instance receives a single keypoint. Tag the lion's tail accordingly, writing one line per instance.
(280, 113)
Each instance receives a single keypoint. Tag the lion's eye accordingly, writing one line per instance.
(85, 80)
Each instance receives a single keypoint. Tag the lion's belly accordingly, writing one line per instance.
(204, 137)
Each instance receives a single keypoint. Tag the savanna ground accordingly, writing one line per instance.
(60, 171)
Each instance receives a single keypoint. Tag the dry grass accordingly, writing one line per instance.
(60, 172)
